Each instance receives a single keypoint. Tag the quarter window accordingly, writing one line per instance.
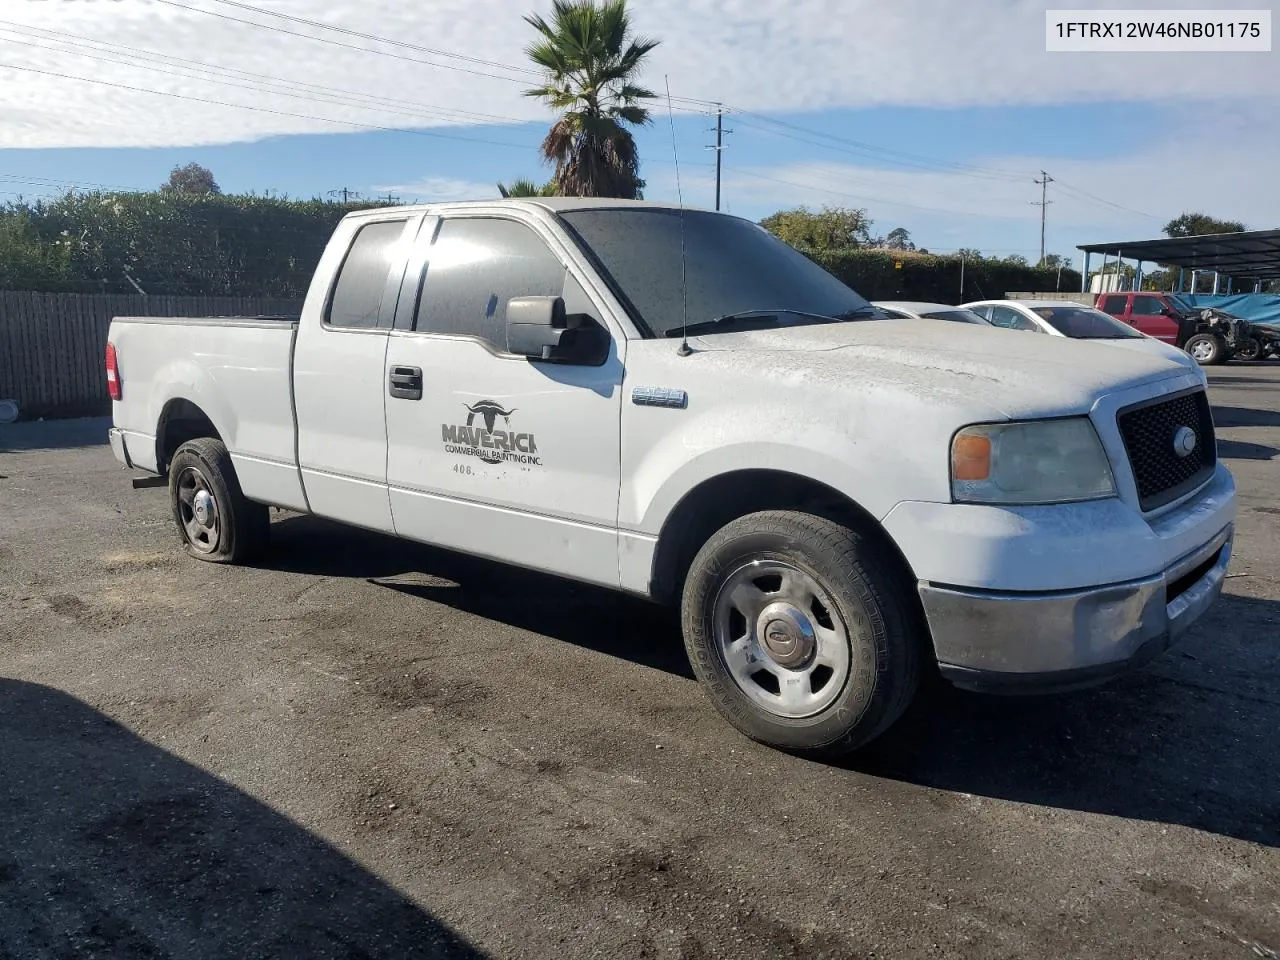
(1011, 319)
(362, 280)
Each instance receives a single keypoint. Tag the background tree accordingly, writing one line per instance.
(1017, 259)
(1200, 224)
(591, 61)
(831, 228)
(899, 238)
(527, 188)
(192, 180)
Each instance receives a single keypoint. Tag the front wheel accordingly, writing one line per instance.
(214, 518)
(1250, 349)
(1206, 349)
(802, 631)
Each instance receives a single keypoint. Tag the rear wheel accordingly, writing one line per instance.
(801, 631)
(215, 520)
(1206, 349)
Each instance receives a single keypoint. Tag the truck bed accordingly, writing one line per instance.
(237, 370)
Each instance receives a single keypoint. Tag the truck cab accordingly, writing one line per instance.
(1155, 314)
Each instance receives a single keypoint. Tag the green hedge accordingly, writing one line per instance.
(168, 243)
(924, 276)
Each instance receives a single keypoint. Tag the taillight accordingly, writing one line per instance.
(113, 373)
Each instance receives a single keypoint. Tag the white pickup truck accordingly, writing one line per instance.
(676, 405)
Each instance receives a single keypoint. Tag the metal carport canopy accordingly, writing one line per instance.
(1254, 254)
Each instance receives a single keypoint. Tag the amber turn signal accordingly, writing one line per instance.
(970, 457)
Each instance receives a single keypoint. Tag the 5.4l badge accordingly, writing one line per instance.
(484, 441)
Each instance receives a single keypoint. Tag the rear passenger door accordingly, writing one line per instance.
(1115, 304)
(490, 452)
(1150, 315)
(338, 378)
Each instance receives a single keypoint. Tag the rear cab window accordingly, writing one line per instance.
(360, 289)
(1114, 304)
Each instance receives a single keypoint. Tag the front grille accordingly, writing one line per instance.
(1150, 430)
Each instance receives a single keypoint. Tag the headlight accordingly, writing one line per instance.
(1036, 461)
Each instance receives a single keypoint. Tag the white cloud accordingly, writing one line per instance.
(776, 55)
(440, 189)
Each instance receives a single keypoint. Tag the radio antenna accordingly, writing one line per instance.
(684, 349)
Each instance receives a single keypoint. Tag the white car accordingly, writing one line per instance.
(835, 503)
(920, 310)
(1066, 318)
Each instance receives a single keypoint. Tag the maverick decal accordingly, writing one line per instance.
(490, 445)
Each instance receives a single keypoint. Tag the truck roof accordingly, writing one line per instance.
(554, 204)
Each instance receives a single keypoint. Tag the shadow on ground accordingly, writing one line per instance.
(112, 847)
(53, 434)
(586, 616)
(1190, 740)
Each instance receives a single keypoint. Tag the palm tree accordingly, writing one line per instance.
(591, 59)
(527, 188)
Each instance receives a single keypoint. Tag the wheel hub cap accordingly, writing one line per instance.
(787, 635)
(204, 508)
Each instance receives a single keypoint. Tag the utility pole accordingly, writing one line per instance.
(390, 199)
(719, 147)
(1043, 204)
(347, 195)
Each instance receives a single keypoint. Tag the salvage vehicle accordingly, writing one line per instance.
(1211, 336)
(675, 404)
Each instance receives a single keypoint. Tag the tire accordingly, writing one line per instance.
(862, 605)
(1211, 349)
(223, 527)
(1250, 349)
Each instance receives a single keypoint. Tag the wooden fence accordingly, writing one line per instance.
(52, 345)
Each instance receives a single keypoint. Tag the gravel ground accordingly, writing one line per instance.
(364, 748)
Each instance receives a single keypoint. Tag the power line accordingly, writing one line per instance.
(263, 85)
(874, 151)
(280, 113)
(68, 39)
(1083, 193)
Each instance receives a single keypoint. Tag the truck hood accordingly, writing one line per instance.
(1010, 373)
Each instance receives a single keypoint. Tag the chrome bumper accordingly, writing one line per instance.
(1014, 641)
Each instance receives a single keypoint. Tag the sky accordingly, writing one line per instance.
(931, 115)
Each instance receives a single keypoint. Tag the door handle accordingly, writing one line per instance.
(405, 383)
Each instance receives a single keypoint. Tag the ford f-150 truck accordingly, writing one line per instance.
(675, 404)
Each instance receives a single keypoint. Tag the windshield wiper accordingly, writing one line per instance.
(729, 319)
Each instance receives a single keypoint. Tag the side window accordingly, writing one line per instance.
(1113, 305)
(475, 267)
(1011, 319)
(892, 314)
(362, 278)
(1147, 306)
(983, 310)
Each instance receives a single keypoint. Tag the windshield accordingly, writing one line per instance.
(959, 315)
(1180, 303)
(733, 267)
(1085, 323)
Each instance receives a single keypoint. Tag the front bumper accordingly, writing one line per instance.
(1027, 642)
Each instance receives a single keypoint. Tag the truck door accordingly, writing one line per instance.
(338, 375)
(1151, 316)
(489, 452)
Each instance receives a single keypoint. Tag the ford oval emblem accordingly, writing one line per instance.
(1184, 441)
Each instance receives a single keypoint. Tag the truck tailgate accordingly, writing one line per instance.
(238, 372)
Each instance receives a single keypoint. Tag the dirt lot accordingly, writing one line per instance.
(369, 749)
